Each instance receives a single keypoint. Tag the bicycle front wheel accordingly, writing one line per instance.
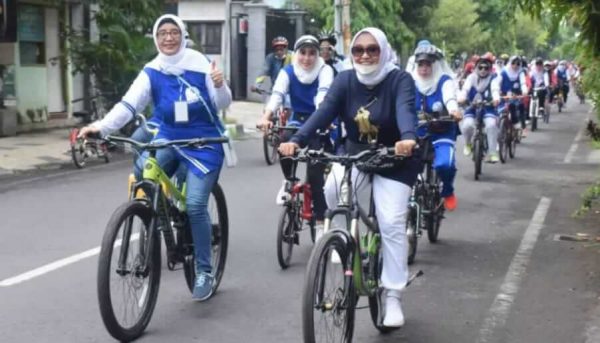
(286, 236)
(329, 297)
(477, 156)
(412, 233)
(217, 211)
(128, 271)
(502, 141)
(78, 153)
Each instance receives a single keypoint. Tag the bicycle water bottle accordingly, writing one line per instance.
(307, 205)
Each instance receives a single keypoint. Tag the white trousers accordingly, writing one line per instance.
(391, 206)
(491, 130)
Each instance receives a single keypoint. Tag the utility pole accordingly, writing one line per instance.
(341, 25)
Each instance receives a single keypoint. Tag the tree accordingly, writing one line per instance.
(123, 46)
(455, 27)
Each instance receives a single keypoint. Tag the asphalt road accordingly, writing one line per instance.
(497, 274)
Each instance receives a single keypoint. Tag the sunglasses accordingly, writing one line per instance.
(483, 67)
(371, 50)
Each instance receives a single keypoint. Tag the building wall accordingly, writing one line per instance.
(214, 10)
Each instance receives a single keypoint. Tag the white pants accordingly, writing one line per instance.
(391, 204)
(491, 130)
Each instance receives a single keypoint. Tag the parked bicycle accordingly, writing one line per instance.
(82, 149)
(273, 137)
(328, 310)
(425, 207)
(129, 265)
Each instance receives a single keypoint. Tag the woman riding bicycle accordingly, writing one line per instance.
(375, 101)
(186, 90)
(306, 81)
(436, 95)
(540, 79)
(481, 86)
(512, 83)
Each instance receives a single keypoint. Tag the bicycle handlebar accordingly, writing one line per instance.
(305, 155)
(156, 145)
(260, 90)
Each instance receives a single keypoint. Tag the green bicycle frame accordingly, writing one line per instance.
(369, 243)
(154, 173)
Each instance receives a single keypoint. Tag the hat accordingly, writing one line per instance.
(306, 40)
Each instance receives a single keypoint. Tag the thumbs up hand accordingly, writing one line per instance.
(216, 75)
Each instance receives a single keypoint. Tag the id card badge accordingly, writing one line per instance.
(181, 112)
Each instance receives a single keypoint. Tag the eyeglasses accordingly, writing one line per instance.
(163, 34)
(371, 50)
(309, 52)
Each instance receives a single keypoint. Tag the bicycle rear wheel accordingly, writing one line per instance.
(286, 236)
(436, 210)
(217, 211)
(329, 297)
(127, 291)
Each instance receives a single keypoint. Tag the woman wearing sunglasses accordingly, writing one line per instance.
(381, 97)
(436, 95)
(481, 86)
(306, 81)
(512, 82)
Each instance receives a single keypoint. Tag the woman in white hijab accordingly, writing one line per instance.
(436, 94)
(379, 87)
(186, 91)
(306, 81)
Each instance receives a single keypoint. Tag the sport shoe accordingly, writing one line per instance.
(493, 158)
(282, 195)
(393, 310)
(319, 231)
(450, 202)
(203, 289)
(468, 149)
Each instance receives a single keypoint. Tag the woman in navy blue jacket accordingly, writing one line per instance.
(388, 93)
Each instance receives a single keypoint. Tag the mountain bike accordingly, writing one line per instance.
(129, 265)
(425, 207)
(82, 149)
(358, 271)
(273, 137)
(480, 145)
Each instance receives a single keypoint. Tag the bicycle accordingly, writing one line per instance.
(508, 136)
(273, 137)
(133, 257)
(360, 260)
(84, 148)
(560, 97)
(480, 145)
(535, 110)
(425, 207)
(297, 209)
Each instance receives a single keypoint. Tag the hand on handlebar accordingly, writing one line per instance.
(405, 147)
(288, 149)
(86, 131)
(264, 124)
(456, 115)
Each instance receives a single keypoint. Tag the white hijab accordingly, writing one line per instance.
(307, 76)
(169, 63)
(429, 85)
(512, 74)
(385, 65)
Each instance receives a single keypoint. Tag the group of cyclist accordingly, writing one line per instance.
(367, 97)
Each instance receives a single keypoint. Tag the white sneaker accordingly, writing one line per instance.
(319, 232)
(282, 195)
(393, 310)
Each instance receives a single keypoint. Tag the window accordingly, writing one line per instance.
(31, 33)
(207, 36)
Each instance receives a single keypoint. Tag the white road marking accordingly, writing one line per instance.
(500, 309)
(56, 265)
(574, 146)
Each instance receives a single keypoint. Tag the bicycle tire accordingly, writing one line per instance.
(502, 139)
(412, 234)
(110, 242)
(285, 237)
(78, 153)
(267, 152)
(477, 156)
(546, 117)
(436, 210)
(376, 312)
(314, 298)
(219, 242)
(512, 146)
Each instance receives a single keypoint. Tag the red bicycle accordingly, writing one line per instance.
(83, 149)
